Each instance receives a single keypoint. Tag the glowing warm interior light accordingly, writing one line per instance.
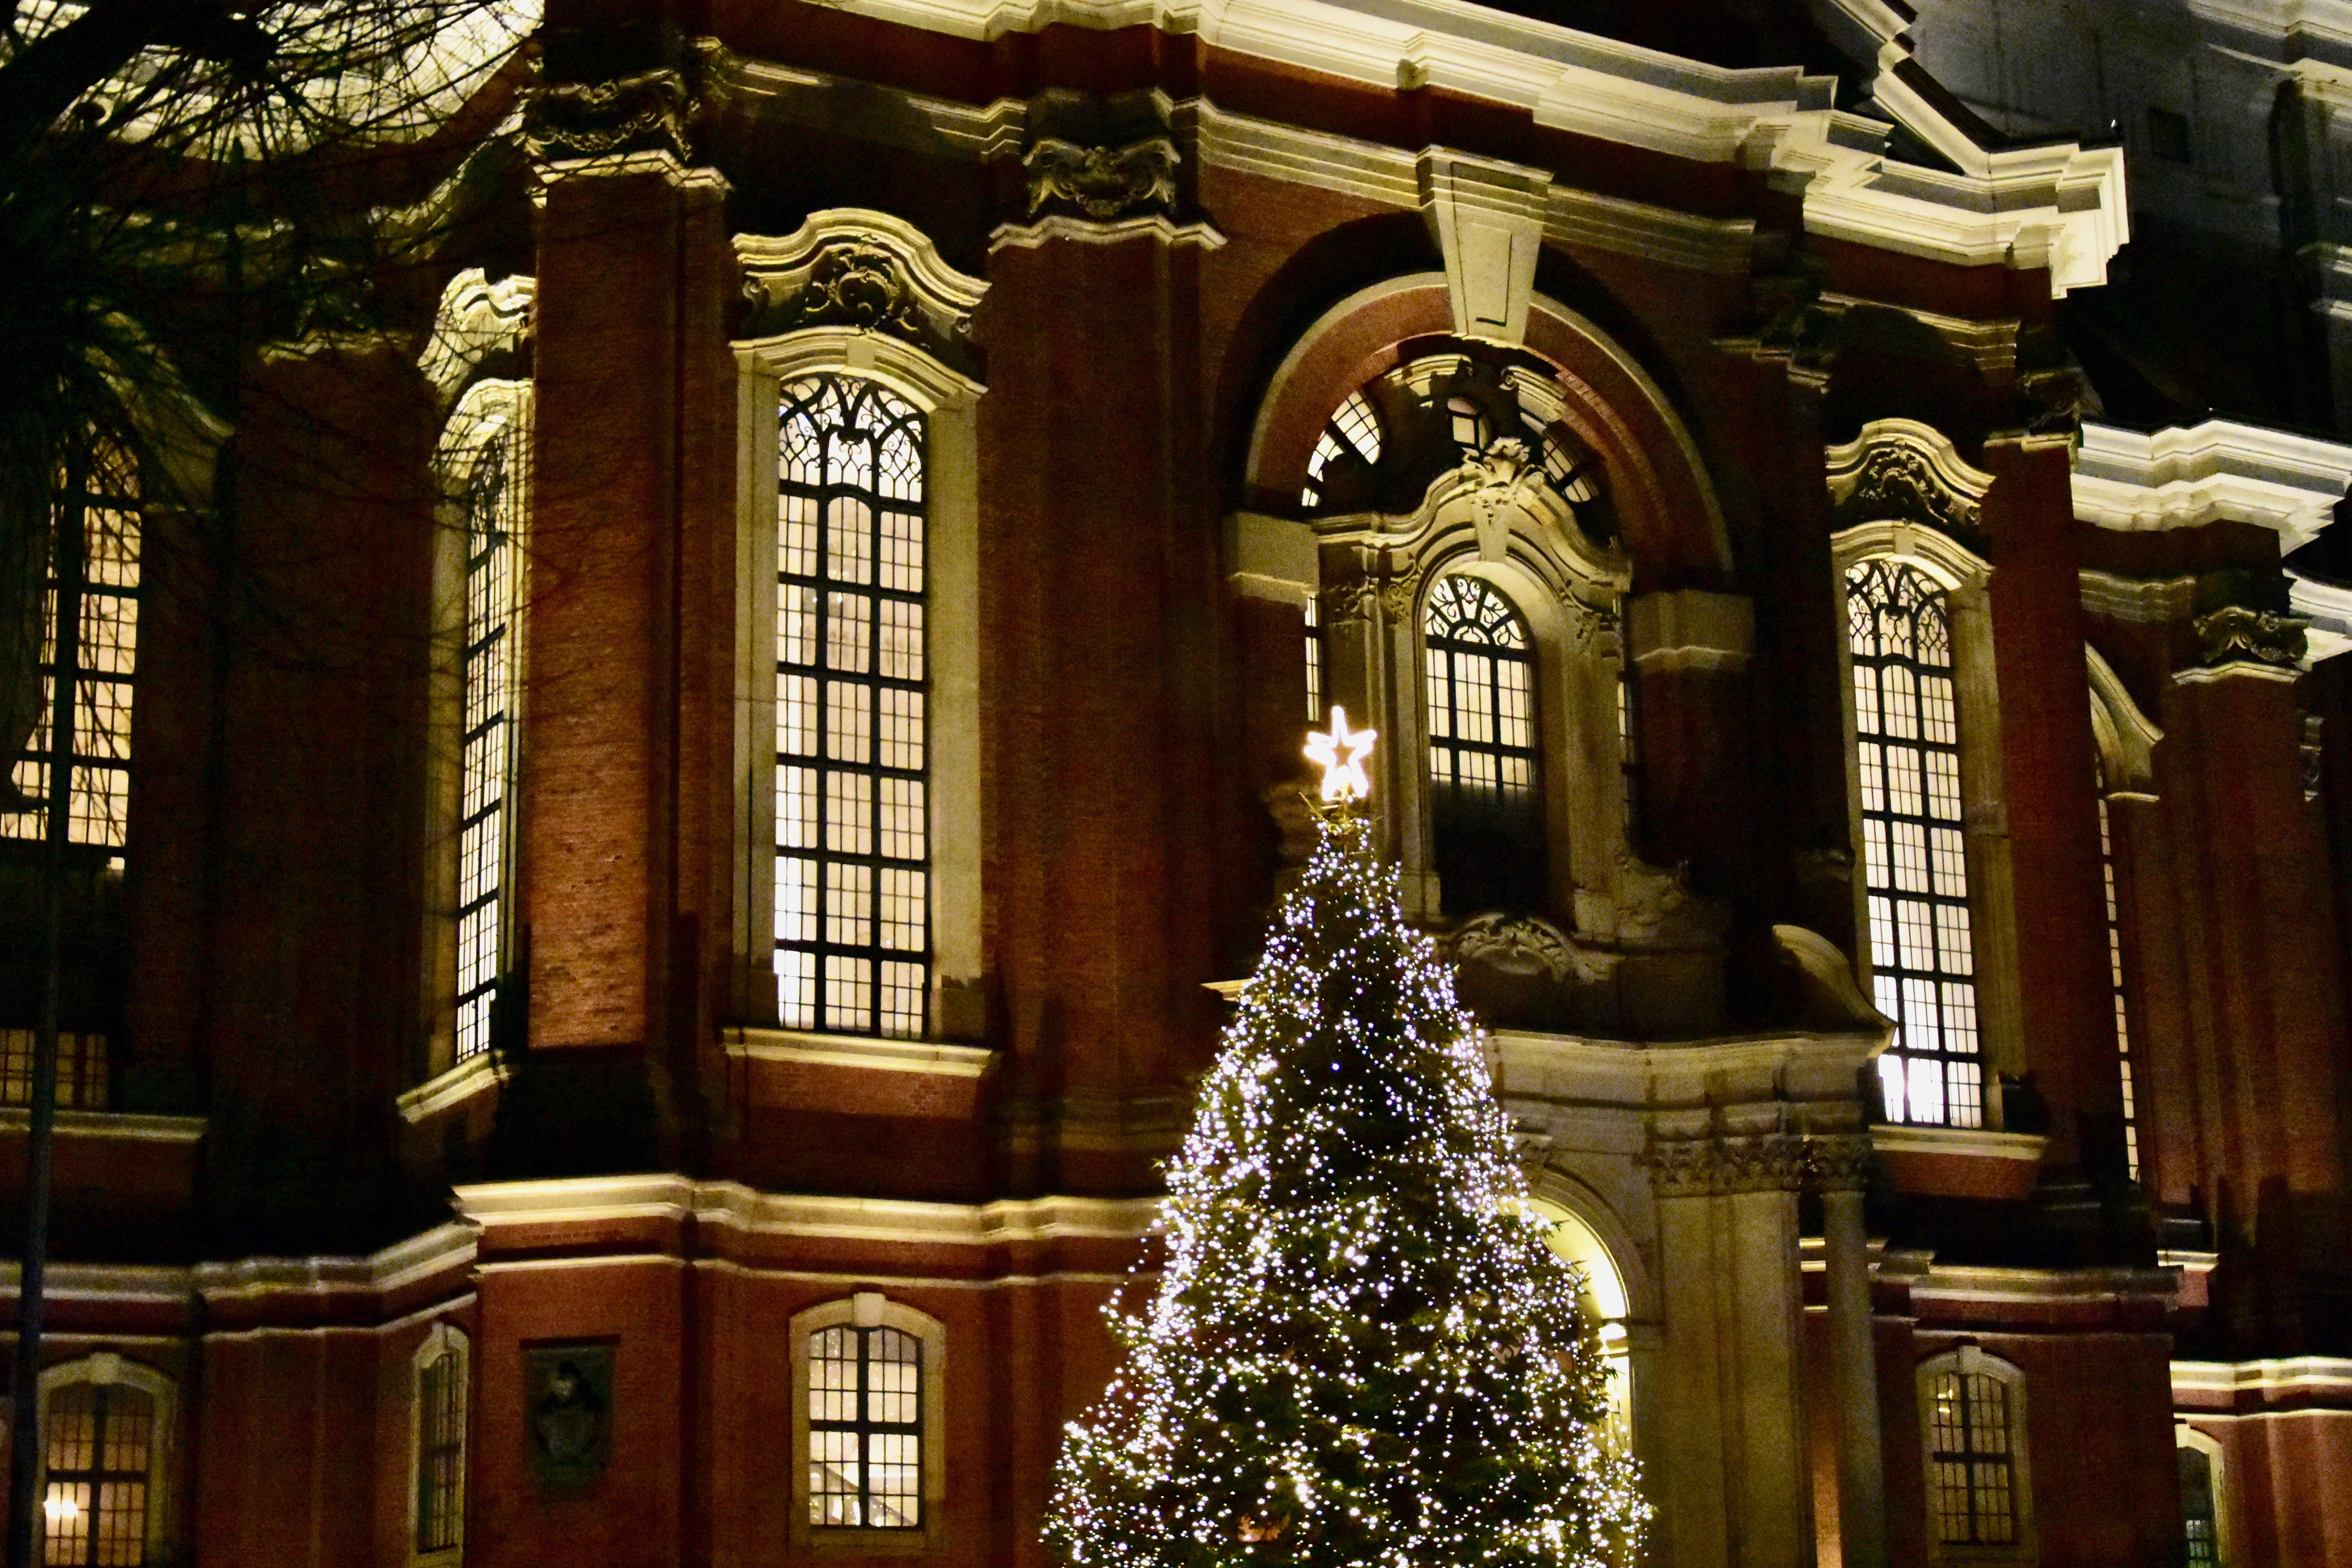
(62, 1508)
(1340, 754)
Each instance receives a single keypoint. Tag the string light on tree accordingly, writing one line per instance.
(1359, 1353)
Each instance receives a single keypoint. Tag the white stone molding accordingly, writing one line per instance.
(113, 1126)
(111, 1369)
(2329, 607)
(1966, 578)
(2126, 736)
(2145, 600)
(1970, 1360)
(444, 1248)
(863, 270)
(2216, 472)
(1899, 469)
(1155, 227)
(950, 402)
(1271, 558)
(443, 1339)
(655, 161)
(858, 1051)
(477, 1074)
(1971, 1142)
(872, 1310)
(2224, 1387)
(1487, 218)
(1688, 628)
(476, 319)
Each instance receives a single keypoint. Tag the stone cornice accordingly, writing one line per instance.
(2215, 471)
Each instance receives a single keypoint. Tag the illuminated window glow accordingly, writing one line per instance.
(866, 1428)
(1485, 814)
(1914, 853)
(1971, 1483)
(441, 1448)
(853, 853)
(1354, 431)
(99, 1448)
(2116, 981)
(104, 659)
(485, 826)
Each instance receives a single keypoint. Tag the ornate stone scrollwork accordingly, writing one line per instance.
(1692, 1167)
(479, 322)
(2239, 634)
(865, 271)
(1354, 600)
(648, 111)
(1102, 181)
(1902, 470)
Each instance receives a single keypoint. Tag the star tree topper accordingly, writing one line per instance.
(1340, 754)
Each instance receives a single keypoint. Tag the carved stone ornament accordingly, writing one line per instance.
(1899, 470)
(2237, 634)
(1102, 181)
(1348, 603)
(1692, 1167)
(649, 112)
(865, 271)
(478, 321)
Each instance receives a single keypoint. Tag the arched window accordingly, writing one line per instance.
(1605, 1302)
(439, 1489)
(95, 562)
(866, 1426)
(1972, 1423)
(1485, 812)
(485, 826)
(106, 1428)
(2204, 1510)
(2115, 976)
(853, 854)
(1914, 853)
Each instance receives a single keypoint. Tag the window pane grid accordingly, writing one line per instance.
(440, 1452)
(853, 929)
(102, 669)
(1972, 1498)
(97, 1448)
(1484, 809)
(485, 827)
(83, 1060)
(1914, 844)
(866, 1415)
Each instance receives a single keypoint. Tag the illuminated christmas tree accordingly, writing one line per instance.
(1360, 1354)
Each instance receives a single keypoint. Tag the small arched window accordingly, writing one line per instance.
(106, 1427)
(1972, 1422)
(438, 1488)
(853, 850)
(1486, 808)
(867, 1433)
(2204, 1504)
(1915, 851)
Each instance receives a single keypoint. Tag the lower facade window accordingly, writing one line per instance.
(1972, 1418)
(105, 1428)
(440, 1423)
(867, 1432)
(866, 1428)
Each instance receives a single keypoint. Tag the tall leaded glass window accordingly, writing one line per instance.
(852, 854)
(1914, 853)
(2199, 1509)
(1485, 810)
(2116, 979)
(1971, 1459)
(99, 1446)
(866, 1428)
(484, 826)
(99, 562)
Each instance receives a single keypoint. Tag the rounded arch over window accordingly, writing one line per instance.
(108, 1429)
(1605, 1301)
(1664, 498)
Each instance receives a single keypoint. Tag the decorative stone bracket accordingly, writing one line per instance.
(1902, 470)
(846, 267)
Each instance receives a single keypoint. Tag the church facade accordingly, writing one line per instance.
(687, 838)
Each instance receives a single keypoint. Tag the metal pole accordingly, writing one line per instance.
(25, 1514)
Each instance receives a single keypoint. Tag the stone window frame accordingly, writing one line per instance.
(111, 1369)
(1488, 520)
(2217, 1462)
(872, 1310)
(443, 1339)
(1966, 579)
(493, 413)
(949, 402)
(1968, 1357)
